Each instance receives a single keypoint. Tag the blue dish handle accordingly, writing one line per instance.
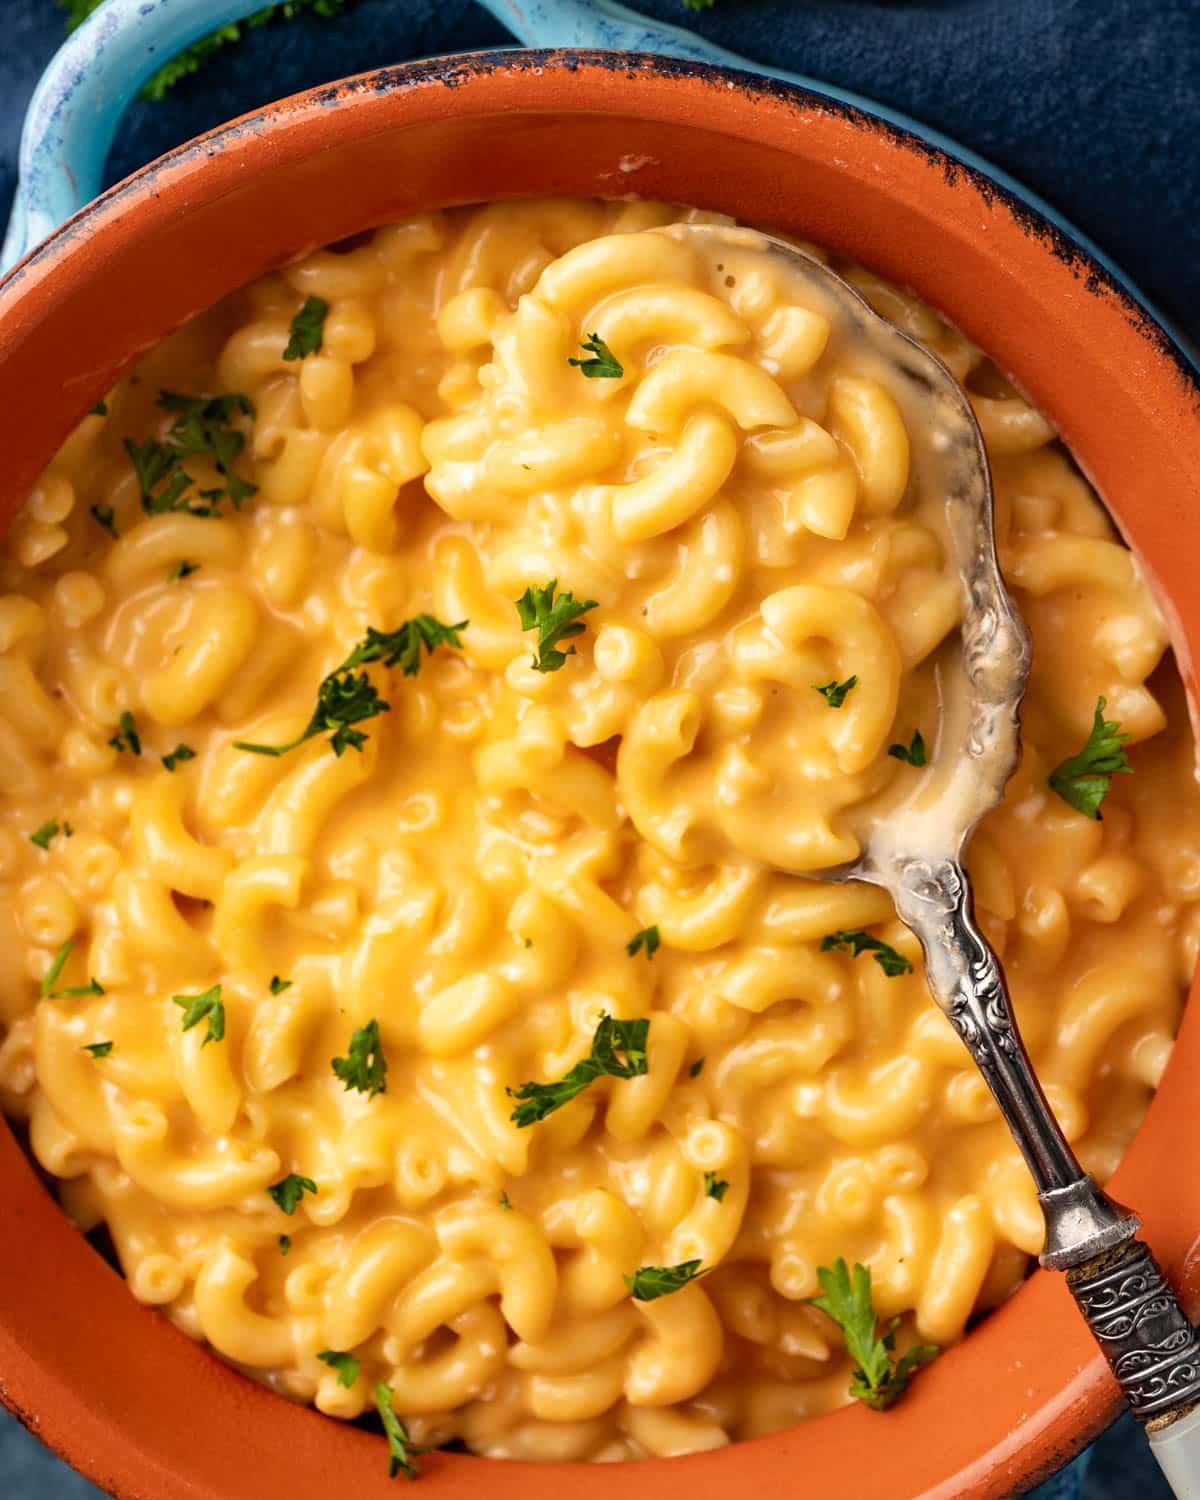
(99, 69)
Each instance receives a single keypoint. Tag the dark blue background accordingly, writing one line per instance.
(1095, 104)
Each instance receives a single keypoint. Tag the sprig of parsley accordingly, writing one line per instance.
(1083, 780)
(555, 620)
(601, 363)
(343, 699)
(365, 1069)
(402, 648)
(306, 332)
(649, 1283)
(834, 693)
(289, 1190)
(537, 1100)
(202, 427)
(346, 1365)
(648, 939)
(197, 1008)
(857, 941)
(913, 753)
(881, 1378)
(401, 1448)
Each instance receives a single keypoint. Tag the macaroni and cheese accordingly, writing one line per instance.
(452, 652)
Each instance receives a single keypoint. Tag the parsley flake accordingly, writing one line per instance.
(99, 410)
(197, 1008)
(127, 737)
(365, 1069)
(556, 620)
(289, 1190)
(182, 569)
(696, 1068)
(913, 753)
(279, 985)
(834, 693)
(401, 1448)
(881, 1378)
(285, 1243)
(649, 1283)
(857, 941)
(180, 752)
(647, 939)
(49, 831)
(505, 1204)
(537, 1100)
(346, 1365)
(1083, 780)
(601, 363)
(99, 1049)
(79, 991)
(307, 330)
(105, 516)
(714, 1186)
(57, 964)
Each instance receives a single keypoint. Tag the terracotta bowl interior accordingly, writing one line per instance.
(149, 1415)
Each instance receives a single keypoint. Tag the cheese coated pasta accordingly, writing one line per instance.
(417, 745)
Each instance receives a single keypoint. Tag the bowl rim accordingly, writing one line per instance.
(1076, 1409)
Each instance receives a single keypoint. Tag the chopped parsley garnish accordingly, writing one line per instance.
(180, 752)
(307, 329)
(202, 427)
(537, 1100)
(99, 410)
(79, 991)
(834, 693)
(696, 1068)
(182, 569)
(57, 964)
(601, 363)
(343, 699)
(127, 737)
(401, 1448)
(857, 941)
(913, 753)
(99, 1049)
(555, 620)
(49, 831)
(285, 1243)
(365, 1069)
(104, 515)
(648, 939)
(714, 1186)
(505, 1204)
(881, 1378)
(288, 1192)
(279, 985)
(648, 1283)
(402, 648)
(207, 1006)
(1083, 780)
(346, 1365)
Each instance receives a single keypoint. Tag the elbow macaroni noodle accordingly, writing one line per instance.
(744, 503)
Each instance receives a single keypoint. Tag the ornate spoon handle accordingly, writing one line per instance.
(1131, 1310)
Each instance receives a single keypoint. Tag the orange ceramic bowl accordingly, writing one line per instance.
(111, 1385)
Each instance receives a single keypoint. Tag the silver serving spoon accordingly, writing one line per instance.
(915, 854)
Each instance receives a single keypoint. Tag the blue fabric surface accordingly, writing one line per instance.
(1094, 104)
